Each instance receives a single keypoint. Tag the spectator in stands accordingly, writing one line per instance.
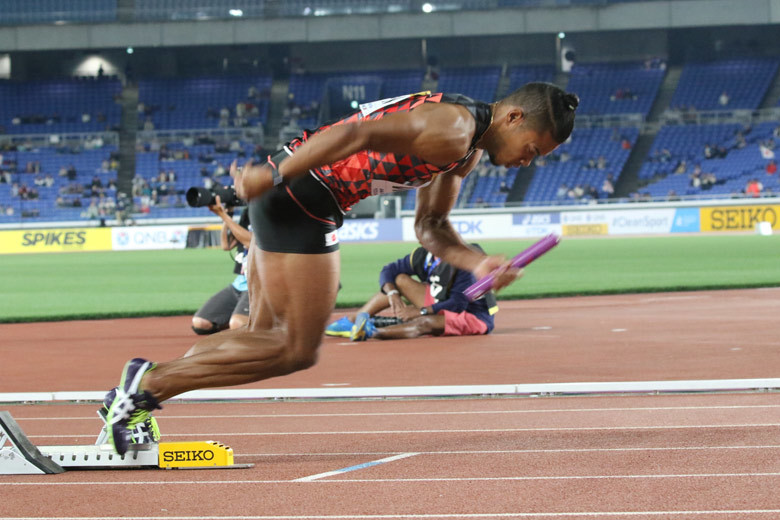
(723, 100)
(96, 184)
(625, 144)
(561, 192)
(753, 188)
(776, 131)
(92, 211)
(608, 186)
(436, 303)
(601, 163)
(708, 180)
(579, 191)
(15, 189)
(672, 196)
(696, 179)
(681, 167)
(148, 124)
(71, 173)
(771, 168)
(591, 192)
(229, 308)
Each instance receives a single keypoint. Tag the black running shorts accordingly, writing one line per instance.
(219, 308)
(299, 216)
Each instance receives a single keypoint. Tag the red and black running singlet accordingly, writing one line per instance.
(367, 172)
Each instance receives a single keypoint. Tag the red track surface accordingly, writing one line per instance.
(636, 457)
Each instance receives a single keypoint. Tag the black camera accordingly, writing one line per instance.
(199, 197)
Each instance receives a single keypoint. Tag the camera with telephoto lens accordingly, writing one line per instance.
(199, 197)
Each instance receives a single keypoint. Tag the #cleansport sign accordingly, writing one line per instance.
(55, 240)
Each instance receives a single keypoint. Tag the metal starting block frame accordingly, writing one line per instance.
(19, 456)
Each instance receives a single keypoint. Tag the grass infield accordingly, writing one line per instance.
(44, 287)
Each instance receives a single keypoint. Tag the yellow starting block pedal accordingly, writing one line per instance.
(198, 454)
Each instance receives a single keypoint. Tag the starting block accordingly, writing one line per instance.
(19, 456)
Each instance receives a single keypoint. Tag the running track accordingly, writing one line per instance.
(703, 456)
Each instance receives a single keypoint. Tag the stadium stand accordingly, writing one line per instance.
(735, 155)
(479, 83)
(586, 160)
(17, 12)
(41, 187)
(519, 75)
(59, 106)
(744, 81)
(615, 88)
(204, 102)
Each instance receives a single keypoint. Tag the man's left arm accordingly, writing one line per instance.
(436, 234)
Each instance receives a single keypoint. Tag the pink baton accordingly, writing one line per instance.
(485, 284)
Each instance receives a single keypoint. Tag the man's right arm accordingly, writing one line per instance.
(436, 133)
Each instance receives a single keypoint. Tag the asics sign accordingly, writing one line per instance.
(370, 230)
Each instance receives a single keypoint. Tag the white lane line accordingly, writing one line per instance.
(564, 514)
(46, 482)
(514, 452)
(486, 430)
(399, 414)
(355, 467)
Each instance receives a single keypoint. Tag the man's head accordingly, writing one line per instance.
(531, 121)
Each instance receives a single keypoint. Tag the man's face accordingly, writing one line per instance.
(519, 144)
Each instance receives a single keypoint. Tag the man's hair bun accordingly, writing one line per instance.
(571, 101)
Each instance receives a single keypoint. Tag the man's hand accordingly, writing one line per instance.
(217, 208)
(396, 305)
(502, 271)
(251, 180)
(408, 312)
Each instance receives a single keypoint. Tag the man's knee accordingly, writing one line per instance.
(302, 360)
(203, 326)
(402, 279)
(238, 321)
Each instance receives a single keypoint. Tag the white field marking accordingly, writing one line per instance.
(567, 514)
(355, 467)
(596, 514)
(336, 384)
(457, 412)
(514, 452)
(673, 298)
(485, 430)
(543, 327)
(619, 330)
(46, 482)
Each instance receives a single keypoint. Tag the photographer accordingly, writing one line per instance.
(229, 308)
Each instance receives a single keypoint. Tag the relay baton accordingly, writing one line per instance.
(485, 283)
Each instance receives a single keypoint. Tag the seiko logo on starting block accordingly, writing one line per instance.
(194, 454)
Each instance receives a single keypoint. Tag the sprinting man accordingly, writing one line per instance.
(297, 200)
(437, 303)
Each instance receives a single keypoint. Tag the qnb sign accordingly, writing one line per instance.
(738, 218)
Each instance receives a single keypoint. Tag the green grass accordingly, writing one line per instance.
(138, 283)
